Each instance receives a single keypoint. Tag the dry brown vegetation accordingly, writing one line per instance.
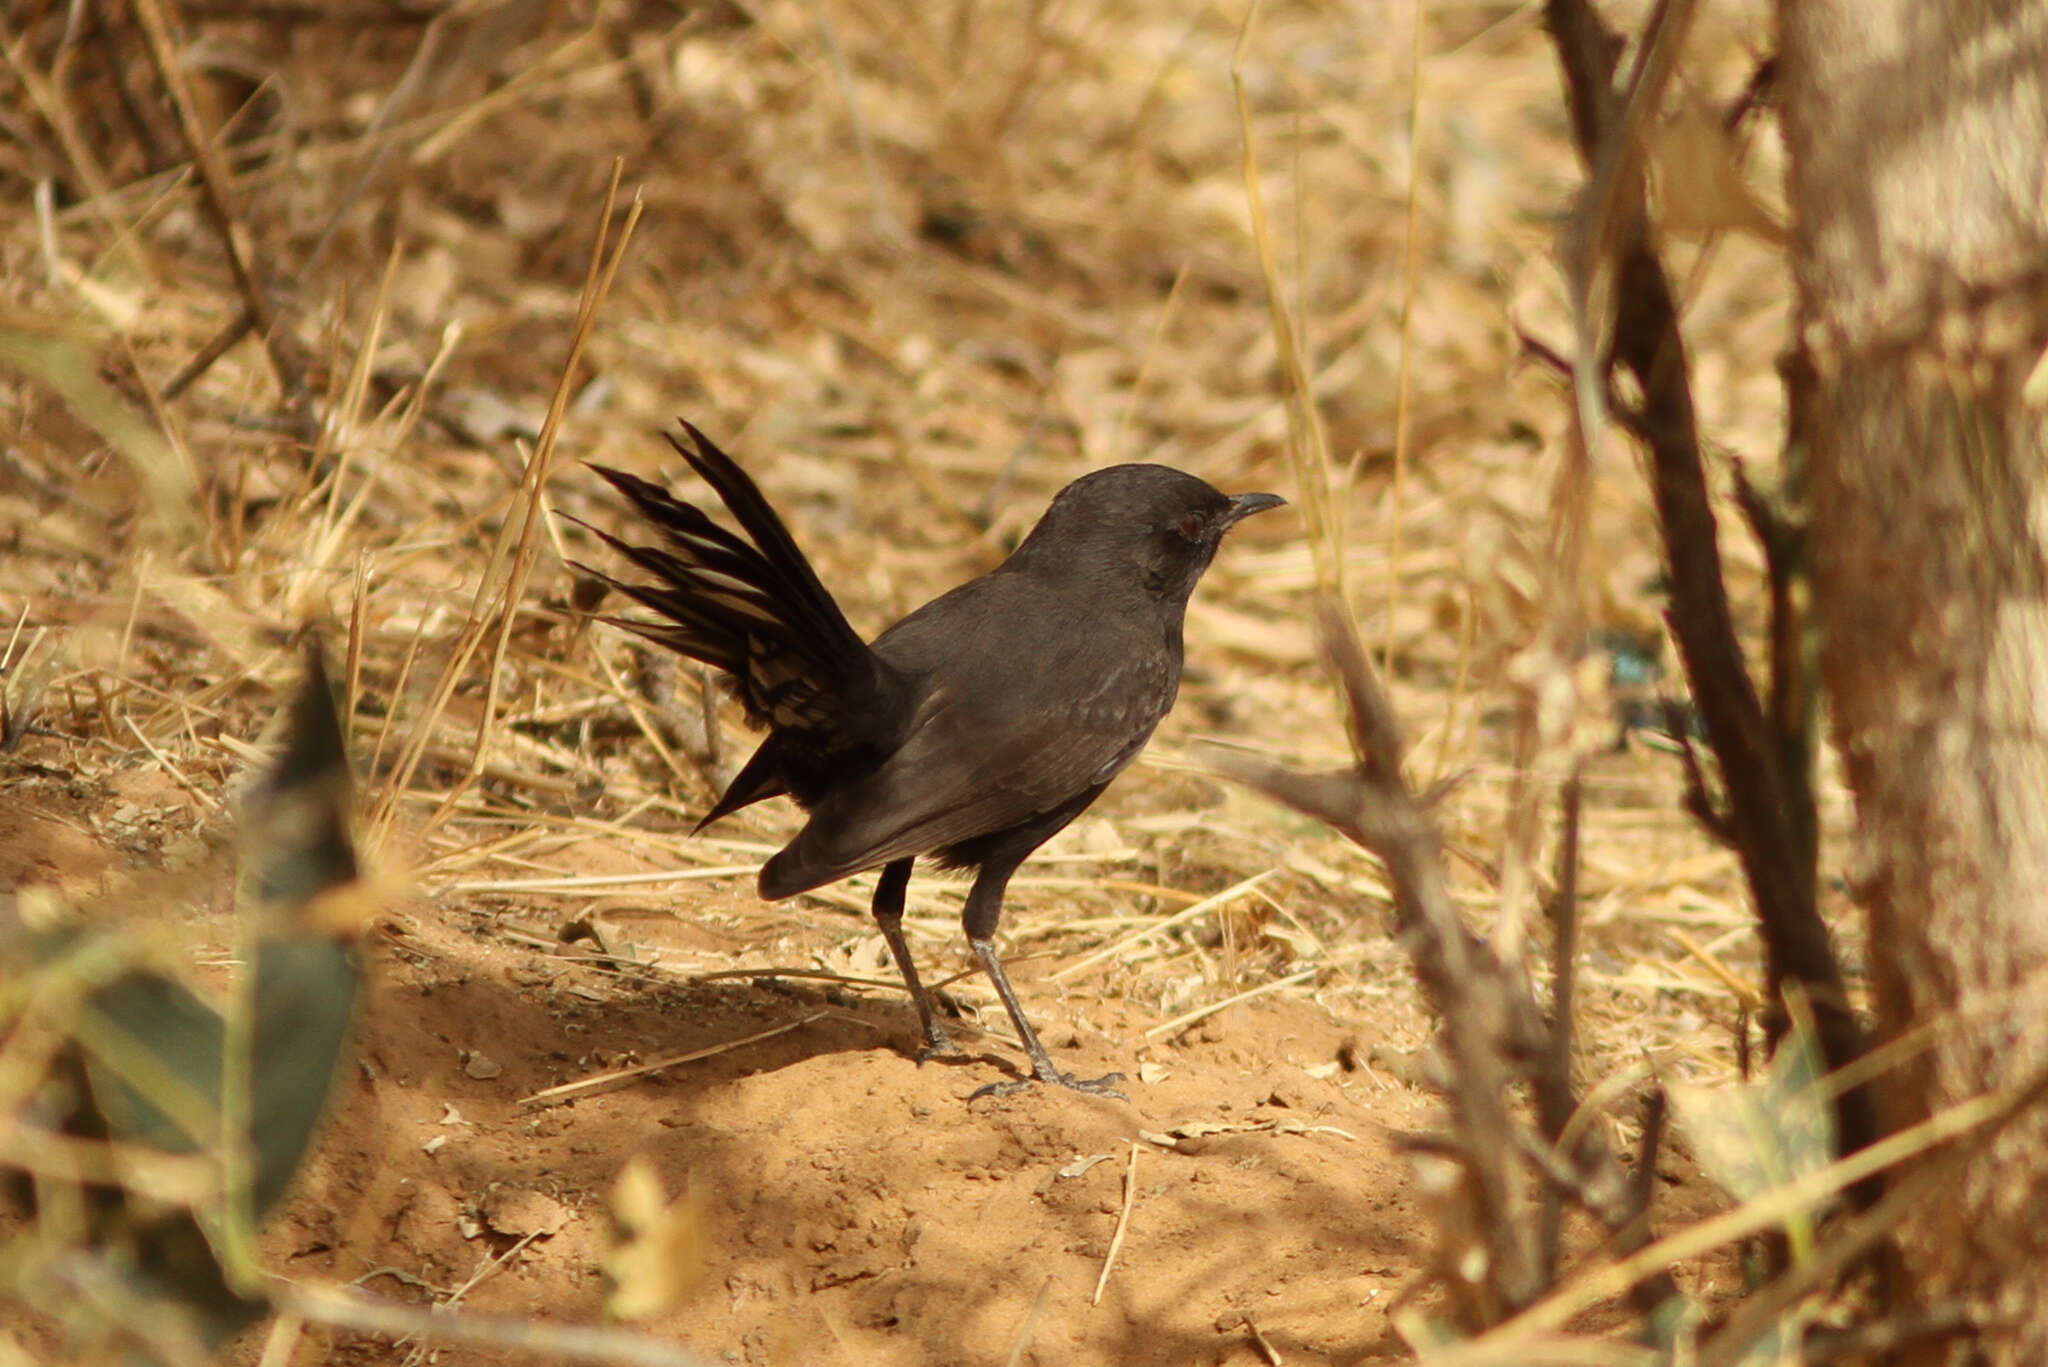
(916, 267)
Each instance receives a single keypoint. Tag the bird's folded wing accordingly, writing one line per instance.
(967, 771)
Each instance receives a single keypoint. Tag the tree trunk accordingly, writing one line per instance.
(1918, 140)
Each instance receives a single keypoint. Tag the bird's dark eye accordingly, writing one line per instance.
(1191, 526)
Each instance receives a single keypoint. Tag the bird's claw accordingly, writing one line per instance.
(941, 1047)
(1093, 1086)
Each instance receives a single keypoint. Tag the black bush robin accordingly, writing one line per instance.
(973, 729)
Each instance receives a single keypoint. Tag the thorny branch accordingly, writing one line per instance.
(1493, 1033)
(1769, 805)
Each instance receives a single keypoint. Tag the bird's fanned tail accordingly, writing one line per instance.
(752, 608)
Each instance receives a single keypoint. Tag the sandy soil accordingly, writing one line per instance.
(855, 1206)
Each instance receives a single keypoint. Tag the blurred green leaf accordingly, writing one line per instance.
(147, 1063)
(1755, 1138)
(295, 823)
(154, 1055)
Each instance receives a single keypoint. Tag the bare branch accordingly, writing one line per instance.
(1493, 1034)
(1770, 817)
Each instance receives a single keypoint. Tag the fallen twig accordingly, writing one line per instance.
(1123, 1222)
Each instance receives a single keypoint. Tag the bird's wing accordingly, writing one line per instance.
(982, 763)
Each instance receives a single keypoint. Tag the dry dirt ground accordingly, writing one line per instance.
(855, 1207)
(917, 267)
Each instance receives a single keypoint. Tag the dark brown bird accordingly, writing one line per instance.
(969, 732)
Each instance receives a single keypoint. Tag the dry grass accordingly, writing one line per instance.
(917, 267)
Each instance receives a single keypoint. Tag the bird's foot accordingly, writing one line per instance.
(1093, 1086)
(937, 1044)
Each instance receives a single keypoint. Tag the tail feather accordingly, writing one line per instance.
(752, 607)
(777, 549)
(708, 603)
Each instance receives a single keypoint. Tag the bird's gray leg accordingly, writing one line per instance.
(888, 909)
(984, 906)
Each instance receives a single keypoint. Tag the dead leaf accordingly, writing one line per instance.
(1701, 187)
(518, 1212)
(1083, 1163)
(657, 1251)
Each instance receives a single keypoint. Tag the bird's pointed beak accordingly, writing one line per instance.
(1244, 505)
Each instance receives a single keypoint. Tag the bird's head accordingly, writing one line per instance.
(1149, 521)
